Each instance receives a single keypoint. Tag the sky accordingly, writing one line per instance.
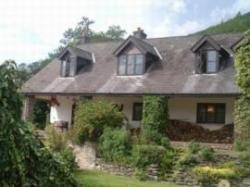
(30, 29)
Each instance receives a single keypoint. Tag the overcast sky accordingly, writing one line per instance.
(29, 29)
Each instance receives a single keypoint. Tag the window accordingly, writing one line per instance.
(137, 112)
(208, 62)
(211, 65)
(211, 113)
(131, 64)
(139, 65)
(122, 65)
(66, 67)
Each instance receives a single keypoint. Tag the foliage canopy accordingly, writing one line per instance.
(91, 117)
(24, 160)
(242, 105)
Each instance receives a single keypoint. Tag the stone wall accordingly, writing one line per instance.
(86, 159)
(85, 155)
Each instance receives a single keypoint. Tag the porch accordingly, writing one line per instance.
(192, 118)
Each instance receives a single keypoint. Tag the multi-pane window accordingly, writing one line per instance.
(211, 113)
(211, 65)
(132, 64)
(137, 112)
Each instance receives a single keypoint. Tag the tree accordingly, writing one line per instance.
(71, 36)
(24, 160)
(115, 32)
(242, 105)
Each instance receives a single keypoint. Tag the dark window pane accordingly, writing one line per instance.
(220, 114)
(130, 64)
(211, 55)
(211, 113)
(137, 111)
(211, 61)
(122, 65)
(139, 65)
(67, 68)
(201, 114)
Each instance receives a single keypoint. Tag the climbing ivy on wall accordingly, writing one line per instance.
(242, 105)
(24, 161)
(155, 118)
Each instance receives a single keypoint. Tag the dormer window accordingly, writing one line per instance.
(210, 56)
(74, 60)
(135, 55)
(131, 64)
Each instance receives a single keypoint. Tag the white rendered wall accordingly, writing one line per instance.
(63, 111)
(185, 109)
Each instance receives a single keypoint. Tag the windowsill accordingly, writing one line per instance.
(208, 123)
(129, 75)
(209, 74)
(67, 77)
(211, 126)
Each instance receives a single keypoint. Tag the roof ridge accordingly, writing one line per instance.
(192, 35)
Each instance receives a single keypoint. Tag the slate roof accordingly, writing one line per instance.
(145, 47)
(77, 52)
(174, 75)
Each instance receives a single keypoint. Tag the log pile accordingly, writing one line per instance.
(185, 131)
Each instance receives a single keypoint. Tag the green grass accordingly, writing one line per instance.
(99, 179)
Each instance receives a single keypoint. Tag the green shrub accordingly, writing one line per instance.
(207, 154)
(187, 159)
(230, 171)
(91, 117)
(68, 158)
(56, 141)
(242, 145)
(168, 161)
(144, 155)
(165, 142)
(194, 147)
(151, 136)
(141, 174)
(208, 174)
(40, 112)
(245, 158)
(114, 145)
(155, 118)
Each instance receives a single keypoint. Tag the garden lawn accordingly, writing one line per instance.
(100, 179)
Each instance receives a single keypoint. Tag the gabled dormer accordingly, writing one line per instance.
(73, 60)
(210, 56)
(135, 55)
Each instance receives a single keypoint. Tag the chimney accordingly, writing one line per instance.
(139, 33)
(84, 38)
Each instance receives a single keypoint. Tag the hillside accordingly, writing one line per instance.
(240, 23)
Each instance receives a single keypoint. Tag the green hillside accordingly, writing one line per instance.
(240, 23)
